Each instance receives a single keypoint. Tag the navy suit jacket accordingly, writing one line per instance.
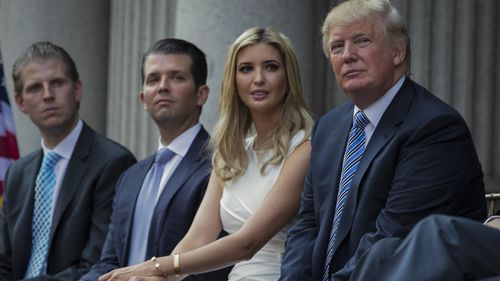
(420, 160)
(172, 215)
(438, 248)
(81, 215)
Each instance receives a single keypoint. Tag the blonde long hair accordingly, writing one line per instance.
(228, 139)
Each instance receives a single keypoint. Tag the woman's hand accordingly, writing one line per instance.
(150, 278)
(142, 270)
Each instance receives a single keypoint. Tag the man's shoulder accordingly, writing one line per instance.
(25, 160)
(430, 103)
(102, 145)
(332, 118)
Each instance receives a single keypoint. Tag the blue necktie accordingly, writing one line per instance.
(146, 202)
(42, 215)
(352, 156)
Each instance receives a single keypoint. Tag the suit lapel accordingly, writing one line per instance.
(25, 234)
(334, 159)
(74, 174)
(188, 165)
(330, 174)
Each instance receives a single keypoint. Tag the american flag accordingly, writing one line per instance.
(8, 143)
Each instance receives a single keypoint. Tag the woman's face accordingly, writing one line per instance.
(261, 78)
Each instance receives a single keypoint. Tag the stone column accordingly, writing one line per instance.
(81, 28)
(135, 25)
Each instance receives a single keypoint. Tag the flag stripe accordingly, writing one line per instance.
(8, 143)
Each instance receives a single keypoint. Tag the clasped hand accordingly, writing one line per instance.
(139, 272)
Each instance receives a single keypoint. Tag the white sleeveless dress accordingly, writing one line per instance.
(240, 199)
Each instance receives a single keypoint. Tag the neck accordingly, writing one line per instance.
(263, 128)
(365, 98)
(168, 132)
(52, 137)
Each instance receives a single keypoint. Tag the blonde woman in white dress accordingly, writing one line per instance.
(261, 150)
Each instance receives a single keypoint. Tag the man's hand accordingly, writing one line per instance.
(493, 221)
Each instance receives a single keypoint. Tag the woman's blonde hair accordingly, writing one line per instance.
(228, 139)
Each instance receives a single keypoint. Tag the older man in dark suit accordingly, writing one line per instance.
(174, 75)
(383, 161)
(57, 201)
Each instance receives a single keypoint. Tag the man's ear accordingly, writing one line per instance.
(20, 102)
(399, 54)
(141, 97)
(202, 95)
(78, 90)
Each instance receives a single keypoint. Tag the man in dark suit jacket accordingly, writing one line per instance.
(48, 90)
(415, 155)
(438, 248)
(174, 90)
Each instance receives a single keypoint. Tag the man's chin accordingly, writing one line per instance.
(354, 88)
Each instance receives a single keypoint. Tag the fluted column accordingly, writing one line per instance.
(135, 25)
(81, 28)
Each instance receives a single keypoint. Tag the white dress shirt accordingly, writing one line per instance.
(375, 111)
(180, 146)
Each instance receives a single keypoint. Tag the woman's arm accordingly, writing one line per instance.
(206, 225)
(277, 209)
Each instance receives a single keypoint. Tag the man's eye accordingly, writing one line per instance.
(151, 80)
(33, 88)
(363, 42)
(336, 49)
(58, 82)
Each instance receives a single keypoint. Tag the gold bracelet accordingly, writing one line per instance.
(157, 266)
(177, 265)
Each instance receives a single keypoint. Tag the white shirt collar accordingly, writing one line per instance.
(375, 111)
(180, 145)
(67, 145)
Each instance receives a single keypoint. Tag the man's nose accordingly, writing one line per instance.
(164, 85)
(349, 52)
(48, 92)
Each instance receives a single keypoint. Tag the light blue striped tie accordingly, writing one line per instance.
(352, 156)
(42, 215)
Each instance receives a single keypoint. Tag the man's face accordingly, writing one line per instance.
(366, 64)
(49, 97)
(169, 93)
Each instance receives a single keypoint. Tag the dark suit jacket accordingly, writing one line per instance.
(172, 216)
(81, 215)
(438, 248)
(420, 160)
